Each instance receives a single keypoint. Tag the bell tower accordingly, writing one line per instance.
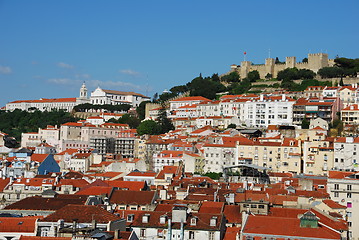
(83, 91)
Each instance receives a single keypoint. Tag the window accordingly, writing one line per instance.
(211, 235)
(336, 186)
(44, 232)
(143, 232)
(191, 234)
(349, 195)
(349, 187)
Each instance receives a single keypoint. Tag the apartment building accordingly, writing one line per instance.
(343, 188)
(346, 154)
(268, 110)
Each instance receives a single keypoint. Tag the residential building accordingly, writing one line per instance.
(343, 188)
(346, 154)
(268, 110)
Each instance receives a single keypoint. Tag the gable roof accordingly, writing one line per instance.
(40, 203)
(195, 98)
(129, 197)
(285, 227)
(83, 213)
(18, 224)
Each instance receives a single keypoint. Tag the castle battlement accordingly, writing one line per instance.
(315, 62)
(317, 54)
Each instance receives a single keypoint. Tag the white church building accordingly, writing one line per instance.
(98, 96)
(102, 96)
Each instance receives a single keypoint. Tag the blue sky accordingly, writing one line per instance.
(48, 48)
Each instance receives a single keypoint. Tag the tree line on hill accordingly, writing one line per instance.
(16, 122)
(209, 87)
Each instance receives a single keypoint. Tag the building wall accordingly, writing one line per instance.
(346, 192)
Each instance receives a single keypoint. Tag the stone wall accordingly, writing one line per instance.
(315, 62)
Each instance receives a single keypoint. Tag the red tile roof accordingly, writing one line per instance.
(142, 174)
(83, 213)
(38, 157)
(130, 185)
(211, 207)
(23, 237)
(232, 233)
(44, 100)
(285, 227)
(196, 98)
(132, 197)
(40, 203)
(233, 214)
(18, 224)
(96, 191)
(333, 205)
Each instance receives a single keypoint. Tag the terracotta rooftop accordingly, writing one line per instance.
(18, 224)
(129, 197)
(40, 203)
(83, 213)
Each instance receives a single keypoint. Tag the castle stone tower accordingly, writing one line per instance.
(270, 62)
(83, 91)
(317, 61)
(290, 62)
(245, 67)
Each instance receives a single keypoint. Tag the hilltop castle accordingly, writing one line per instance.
(315, 62)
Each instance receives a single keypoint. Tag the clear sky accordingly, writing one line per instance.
(48, 48)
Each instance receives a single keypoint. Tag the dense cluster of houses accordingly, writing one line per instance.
(174, 204)
(260, 111)
(93, 179)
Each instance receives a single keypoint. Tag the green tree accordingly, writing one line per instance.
(213, 175)
(288, 74)
(166, 96)
(305, 60)
(232, 125)
(330, 72)
(205, 87)
(253, 76)
(305, 124)
(179, 89)
(164, 122)
(338, 125)
(268, 76)
(240, 88)
(141, 110)
(341, 83)
(230, 78)
(148, 127)
(306, 74)
(129, 119)
(277, 61)
(216, 78)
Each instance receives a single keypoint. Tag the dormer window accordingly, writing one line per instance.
(145, 218)
(163, 219)
(130, 217)
(213, 222)
(193, 221)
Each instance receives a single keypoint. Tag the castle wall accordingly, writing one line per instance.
(315, 62)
